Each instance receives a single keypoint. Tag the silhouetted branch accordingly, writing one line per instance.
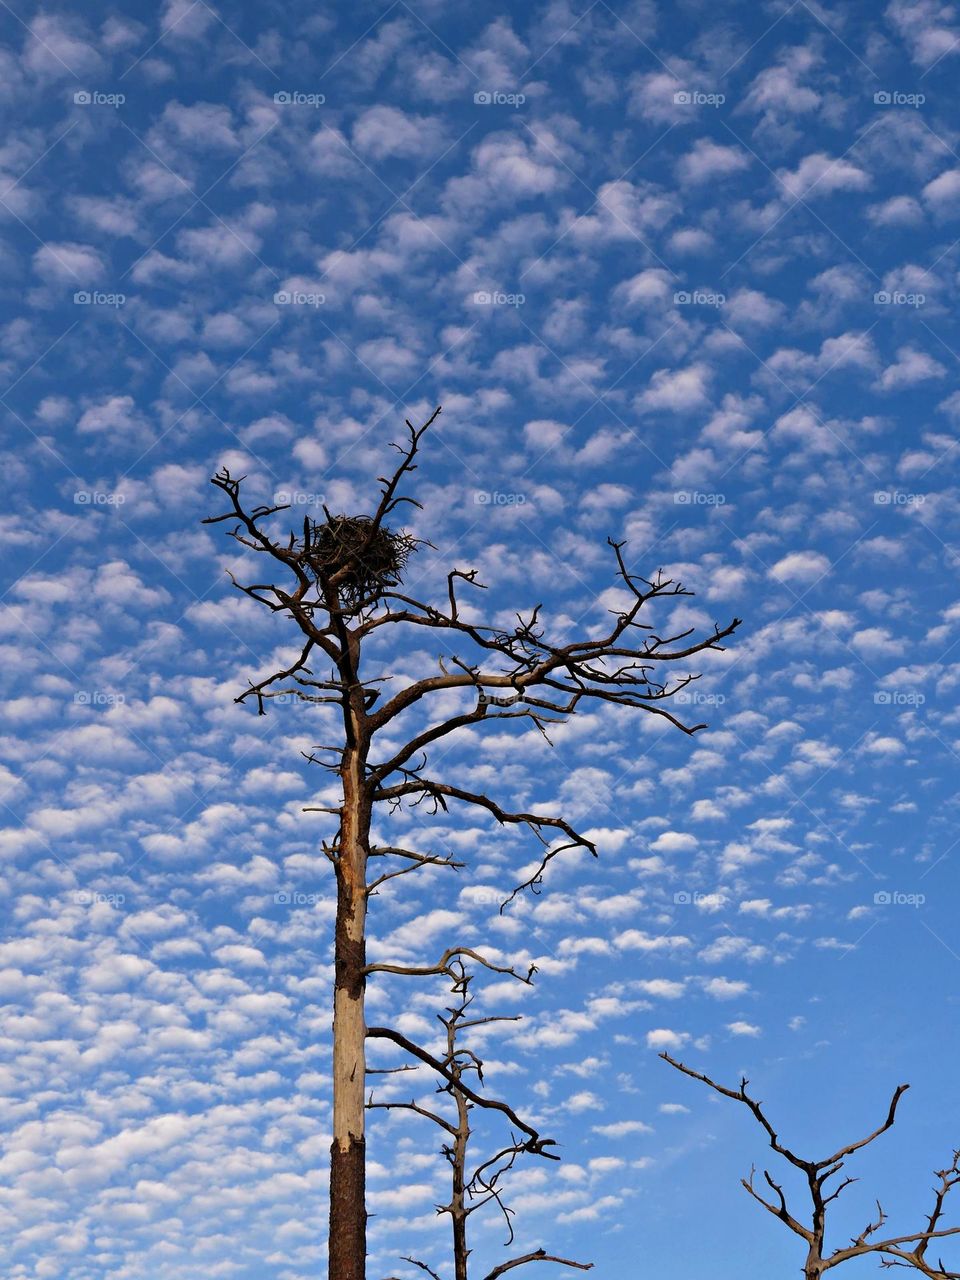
(469, 1192)
(892, 1251)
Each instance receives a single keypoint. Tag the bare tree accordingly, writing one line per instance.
(908, 1250)
(341, 586)
(470, 1191)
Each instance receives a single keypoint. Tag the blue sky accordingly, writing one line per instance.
(679, 274)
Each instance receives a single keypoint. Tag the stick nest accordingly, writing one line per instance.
(367, 560)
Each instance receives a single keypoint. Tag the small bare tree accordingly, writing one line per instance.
(341, 581)
(470, 1191)
(893, 1251)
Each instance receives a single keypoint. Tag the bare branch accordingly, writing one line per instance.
(893, 1251)
(740, 1095)
(443, 966)
(534, 1143)
(538, 1255)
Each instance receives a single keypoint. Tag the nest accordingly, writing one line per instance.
(371, 558)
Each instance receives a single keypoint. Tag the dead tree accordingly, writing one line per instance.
(469, 1191)
(894, 1251)
(341, 584)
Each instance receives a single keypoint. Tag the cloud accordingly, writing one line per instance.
(708, 160)
(621, 1128)
(912, 366)
(664, 1038)
(116, 416)
(242, 956)
(725, 989)
(638, 940)
(674, 842)
(66, 262)
(925, 26)
(819, 174)
(801, 566)
(941, 193)
(676, 390)
(383, 131)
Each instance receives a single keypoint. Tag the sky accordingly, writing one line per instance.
(682, 275)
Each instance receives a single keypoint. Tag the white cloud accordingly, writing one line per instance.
(708, 160)
(742, 1029)
(801, 566)
(820, 175)
(664, 1038)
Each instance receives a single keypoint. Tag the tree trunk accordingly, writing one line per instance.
(813, 1267)
(458, 1206)
(347, 1249)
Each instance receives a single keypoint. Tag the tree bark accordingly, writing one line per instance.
(458, 1204)
(347, 1249)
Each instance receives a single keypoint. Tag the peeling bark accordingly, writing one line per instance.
(347, 1248)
